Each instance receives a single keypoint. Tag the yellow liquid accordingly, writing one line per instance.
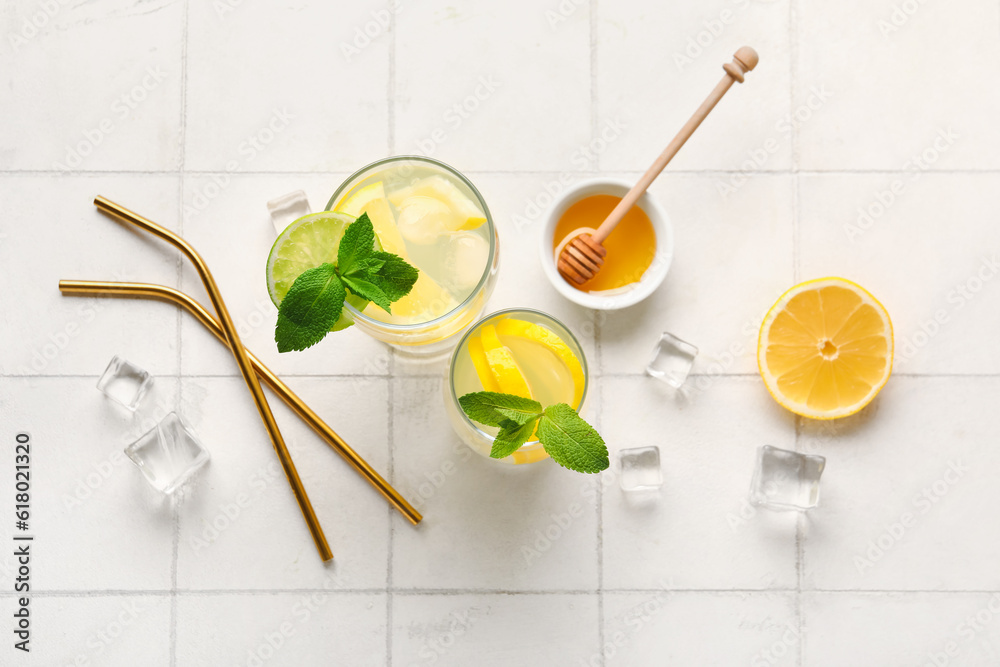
(548, 377)
(446, 278)
(631, 247)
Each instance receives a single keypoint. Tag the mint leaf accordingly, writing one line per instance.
(570, 441)
(511, 436)
(359, 283)
(357, 243)
(493, 408)
(372, 264)
(310, 308)
(393, 276)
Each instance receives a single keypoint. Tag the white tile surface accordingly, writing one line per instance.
(486, 525)
(522, 70)
(270, 90)
(98, 630)
(928, 229)
(656, 62)
(281, 629)
(707, 463)
(660, 627)
(86, 491)
(732, 260)
(494, 630)
(896, 77)
(243, 497)
(896, 629)
(51, 334)
(66, 111)
(887, 107)
(916, 477)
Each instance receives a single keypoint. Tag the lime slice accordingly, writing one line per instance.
(306, 243)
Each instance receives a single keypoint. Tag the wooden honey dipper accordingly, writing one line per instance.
(582, 254)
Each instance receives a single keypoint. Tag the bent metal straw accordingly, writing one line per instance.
(242, 360)
(171, 295)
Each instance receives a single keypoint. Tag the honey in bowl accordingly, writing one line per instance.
(631, 247)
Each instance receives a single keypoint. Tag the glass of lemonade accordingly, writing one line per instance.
(433, 217)
(517, 351)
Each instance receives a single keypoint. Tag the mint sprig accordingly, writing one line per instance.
(315, 300)
(565, 436)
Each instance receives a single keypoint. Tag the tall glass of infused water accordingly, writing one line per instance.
(433, 217)
(522, 352)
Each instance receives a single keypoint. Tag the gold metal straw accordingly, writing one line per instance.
(242, 360)
(164, 293)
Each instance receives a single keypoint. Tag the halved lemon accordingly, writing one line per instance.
(536, 333)
(825, 348)
(501, 362)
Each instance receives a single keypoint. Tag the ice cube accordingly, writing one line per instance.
(465, 259)
(640, 469)
(287, 209)
(124, 383)
(423, 220)
(672, 360)
(785, 480)
(168, 454)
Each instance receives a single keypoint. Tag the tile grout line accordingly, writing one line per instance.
(354, 376)
(593, 78)
(454, 592)
(799, 520)
(390, 375)
(796, 277)
(95, 173)
(178, 390)
(391, 441)
(391, 86)
(600, 535)
(792, 89)
(593, 28)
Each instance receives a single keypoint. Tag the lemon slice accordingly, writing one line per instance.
(501, 362)
(371, 200)
(825, 348)
(305, 244)
(536, 333)
(427, 300)
(465, 213)
(482, 364)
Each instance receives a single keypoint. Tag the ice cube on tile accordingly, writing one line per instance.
(640, 469)
(465, 259)
(287, 209)
(125, 383)
(671, 360)
(785, 480)
(423, 220)
(168, 454)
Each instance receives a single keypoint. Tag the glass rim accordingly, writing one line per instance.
(492, 238)
(506, 311)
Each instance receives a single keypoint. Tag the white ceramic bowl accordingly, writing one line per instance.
(654, 275)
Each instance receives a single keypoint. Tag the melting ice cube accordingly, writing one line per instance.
(465, 258)
(423, 220)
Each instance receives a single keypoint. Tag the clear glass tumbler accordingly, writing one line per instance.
(434, 217)
(545, 371)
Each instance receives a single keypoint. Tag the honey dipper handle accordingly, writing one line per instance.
(744, 60)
